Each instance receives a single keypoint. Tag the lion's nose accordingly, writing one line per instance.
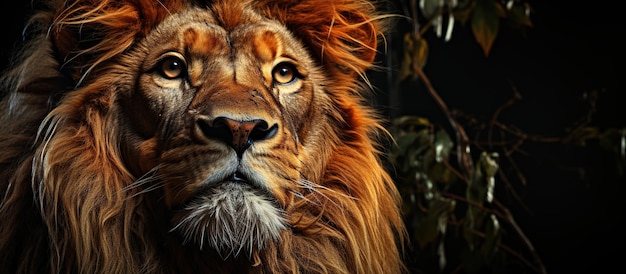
(238, 134)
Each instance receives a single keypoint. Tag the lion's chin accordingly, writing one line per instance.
(232, 218)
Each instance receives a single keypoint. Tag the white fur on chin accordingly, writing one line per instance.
(231, 218)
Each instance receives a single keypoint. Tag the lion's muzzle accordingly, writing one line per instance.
(236, 133)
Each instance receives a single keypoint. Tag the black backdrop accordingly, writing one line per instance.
(574, 219)
(573, 48)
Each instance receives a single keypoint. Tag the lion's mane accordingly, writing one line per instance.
(70, 203)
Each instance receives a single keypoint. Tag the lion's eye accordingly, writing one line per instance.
(284, 73)
(171, 68)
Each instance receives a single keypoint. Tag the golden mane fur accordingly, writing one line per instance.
(82, 190)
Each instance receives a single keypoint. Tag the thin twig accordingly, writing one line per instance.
(509, 218)
(516, 254)
(503, 213)
(463, 149)
(516, 97)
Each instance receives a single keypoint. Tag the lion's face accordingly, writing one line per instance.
(216, 114)
(188, 136)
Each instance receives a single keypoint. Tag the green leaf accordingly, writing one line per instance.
(582, 135)
(482, 183)
(473, 262)
(480, 190)
(485, 23)
(434, 222)
(614, 140)
(520, 15)
(484, 252)
(463, 11)
(493, 235)
(443, 146)
(474, 221)
(406, 140)
(442, 174)
(410, 153)
(415, 56)
(429, 7)
(411, 122)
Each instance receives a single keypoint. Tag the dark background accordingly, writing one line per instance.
(574, 219)
(574, 196)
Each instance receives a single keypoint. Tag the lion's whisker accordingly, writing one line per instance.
(150, 177)
(166, 9)
(316, 189)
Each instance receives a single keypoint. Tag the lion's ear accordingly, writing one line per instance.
(342, 34)
(87, 32)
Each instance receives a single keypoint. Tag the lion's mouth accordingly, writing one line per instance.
(232, 184)
(237, 178)
(233, 215)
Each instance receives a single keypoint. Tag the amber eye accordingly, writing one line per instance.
(172, 67)
(284, 73)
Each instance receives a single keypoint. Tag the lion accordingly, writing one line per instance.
(191, 136)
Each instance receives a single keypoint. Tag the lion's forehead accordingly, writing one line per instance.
(265, 41)
(201, 32)
(241, 54)
(228, 49)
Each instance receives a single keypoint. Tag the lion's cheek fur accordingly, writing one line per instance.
(147, 105)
